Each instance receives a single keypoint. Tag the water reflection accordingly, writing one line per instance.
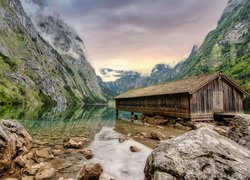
(53, 124)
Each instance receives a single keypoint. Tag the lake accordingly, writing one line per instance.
(50, 127)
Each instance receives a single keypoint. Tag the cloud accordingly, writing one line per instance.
(136, 35)
(112, 75)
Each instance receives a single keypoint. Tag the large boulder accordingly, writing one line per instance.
(199, 154)
(240, 130)
(14, 142)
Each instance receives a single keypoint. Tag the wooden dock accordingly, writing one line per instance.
(221, 116)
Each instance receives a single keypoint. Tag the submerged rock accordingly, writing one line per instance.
(87, 153)
(27, 178)
(106, 177)
(91, 171)
(240, 130)
(122, 139)
(46, 173)
(134, 149)
(14, 144)
(157, 136)
(199, 154)
(41, 171)
(56, 152)
(73, 144)
(43, 153)
(154, 119)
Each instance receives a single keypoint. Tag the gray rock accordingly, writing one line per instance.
(14, 143)
(162, 176)
(200, 154)
(240, 130)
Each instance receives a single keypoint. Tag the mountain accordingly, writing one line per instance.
(70, 46)
(108, 93)
(131, 79)
(226, 48)
(126, 80)
(34, 70)
(163, 72)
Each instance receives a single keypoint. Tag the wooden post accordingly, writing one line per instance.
(132, 117)
(117, 114)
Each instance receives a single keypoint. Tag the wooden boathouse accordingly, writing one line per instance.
(197, 98)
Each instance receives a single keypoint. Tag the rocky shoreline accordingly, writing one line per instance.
(199, 150)
(22, 157)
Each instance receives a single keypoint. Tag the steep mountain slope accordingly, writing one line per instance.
(31, 70)
(70, 46)
(226, 48)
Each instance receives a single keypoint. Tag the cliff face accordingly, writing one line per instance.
(70, 46)
(32, 71)
(227, 47)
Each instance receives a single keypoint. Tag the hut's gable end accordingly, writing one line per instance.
(217, 96)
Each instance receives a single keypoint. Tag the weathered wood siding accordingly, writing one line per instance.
(202, 103)
(173, 105)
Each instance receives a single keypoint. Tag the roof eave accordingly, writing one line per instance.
(152, 95)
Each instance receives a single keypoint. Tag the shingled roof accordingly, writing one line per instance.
(188, 85)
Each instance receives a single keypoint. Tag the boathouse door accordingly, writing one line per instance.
(218, 101)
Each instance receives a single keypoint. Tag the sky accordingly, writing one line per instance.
(137, 34)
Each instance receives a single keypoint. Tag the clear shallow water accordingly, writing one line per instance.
(50, 126)
(116, 157)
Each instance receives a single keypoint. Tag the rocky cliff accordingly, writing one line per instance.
(70, 46)
(226, 48)
(34, 70)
